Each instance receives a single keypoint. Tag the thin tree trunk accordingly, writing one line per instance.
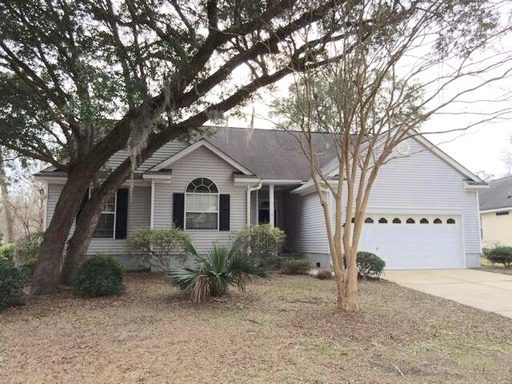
(47, 274)
(9, 236)
(351, 296)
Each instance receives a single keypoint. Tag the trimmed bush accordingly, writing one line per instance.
(262, 242)
(500, 255)
(100, 275)
(323, 274)
(7, 251)
(162, 246)
(369, 265)
(295, 267)
(12, 282)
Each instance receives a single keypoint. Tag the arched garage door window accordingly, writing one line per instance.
(202, 205)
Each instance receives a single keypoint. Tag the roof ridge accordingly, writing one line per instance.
(261, 129)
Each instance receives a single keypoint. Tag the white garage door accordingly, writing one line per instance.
(414, 241)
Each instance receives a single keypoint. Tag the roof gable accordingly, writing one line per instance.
(202, 143)
(497, 196)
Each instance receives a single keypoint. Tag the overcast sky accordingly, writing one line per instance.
(480, 148)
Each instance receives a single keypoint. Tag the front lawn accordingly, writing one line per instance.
(487, 266)
(284, 330)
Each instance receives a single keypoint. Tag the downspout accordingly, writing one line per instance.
(249, 190)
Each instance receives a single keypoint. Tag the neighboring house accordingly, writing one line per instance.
(422, 213)
(496, 213)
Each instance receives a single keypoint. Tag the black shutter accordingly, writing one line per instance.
(178, 209)
(224, 213)
(85, 198)
(121, 213)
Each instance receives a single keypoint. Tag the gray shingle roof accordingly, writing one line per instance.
(498, 195)
(269, 153)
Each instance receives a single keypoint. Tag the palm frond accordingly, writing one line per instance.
(211, 275)
(189, 249)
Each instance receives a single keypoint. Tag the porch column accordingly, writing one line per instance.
(272, 220)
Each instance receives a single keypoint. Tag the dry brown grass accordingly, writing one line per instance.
(284, 330)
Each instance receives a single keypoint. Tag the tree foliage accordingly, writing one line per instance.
(80, 81)
(160, 246)
(262, 242)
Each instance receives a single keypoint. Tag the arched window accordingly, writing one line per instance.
(396, 220)
(202, 204)
(450, 221)
(410, 220)
(424, 221)
(383, 220)
(438, 221)
(368, 220)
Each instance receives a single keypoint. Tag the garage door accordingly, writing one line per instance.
(415, 241)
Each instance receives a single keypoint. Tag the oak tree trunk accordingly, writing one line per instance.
(47, 274)
(81, 238)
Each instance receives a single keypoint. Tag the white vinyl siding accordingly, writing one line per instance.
(305, 228)
(202, 163)
(138, 217)
(420, 183)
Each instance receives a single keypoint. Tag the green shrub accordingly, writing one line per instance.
(295, 267)
(99, 275)
(162, 246)
(262, 242)
(7, 251)
(211, 276)
(500, 255)
(369, 265)
(26, 252)
(323, 274)
(12, 282)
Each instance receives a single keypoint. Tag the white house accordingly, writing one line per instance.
(422, 213)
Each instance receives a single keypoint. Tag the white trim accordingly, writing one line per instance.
(470, 187)
(480, 231)
(198, 144)
(249, 190)
(271, 206)
(237, 180)
(60, 180)
(107, 213)
(281, 182)
(413, 211)
(496, 210)
(157, 177)
(152, 205)
(447, 158)
(462, 234)
(310, 187)
(201, 193)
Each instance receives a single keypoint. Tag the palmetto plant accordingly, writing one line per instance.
(211, 275)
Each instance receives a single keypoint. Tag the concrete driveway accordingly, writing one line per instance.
(484, 290)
